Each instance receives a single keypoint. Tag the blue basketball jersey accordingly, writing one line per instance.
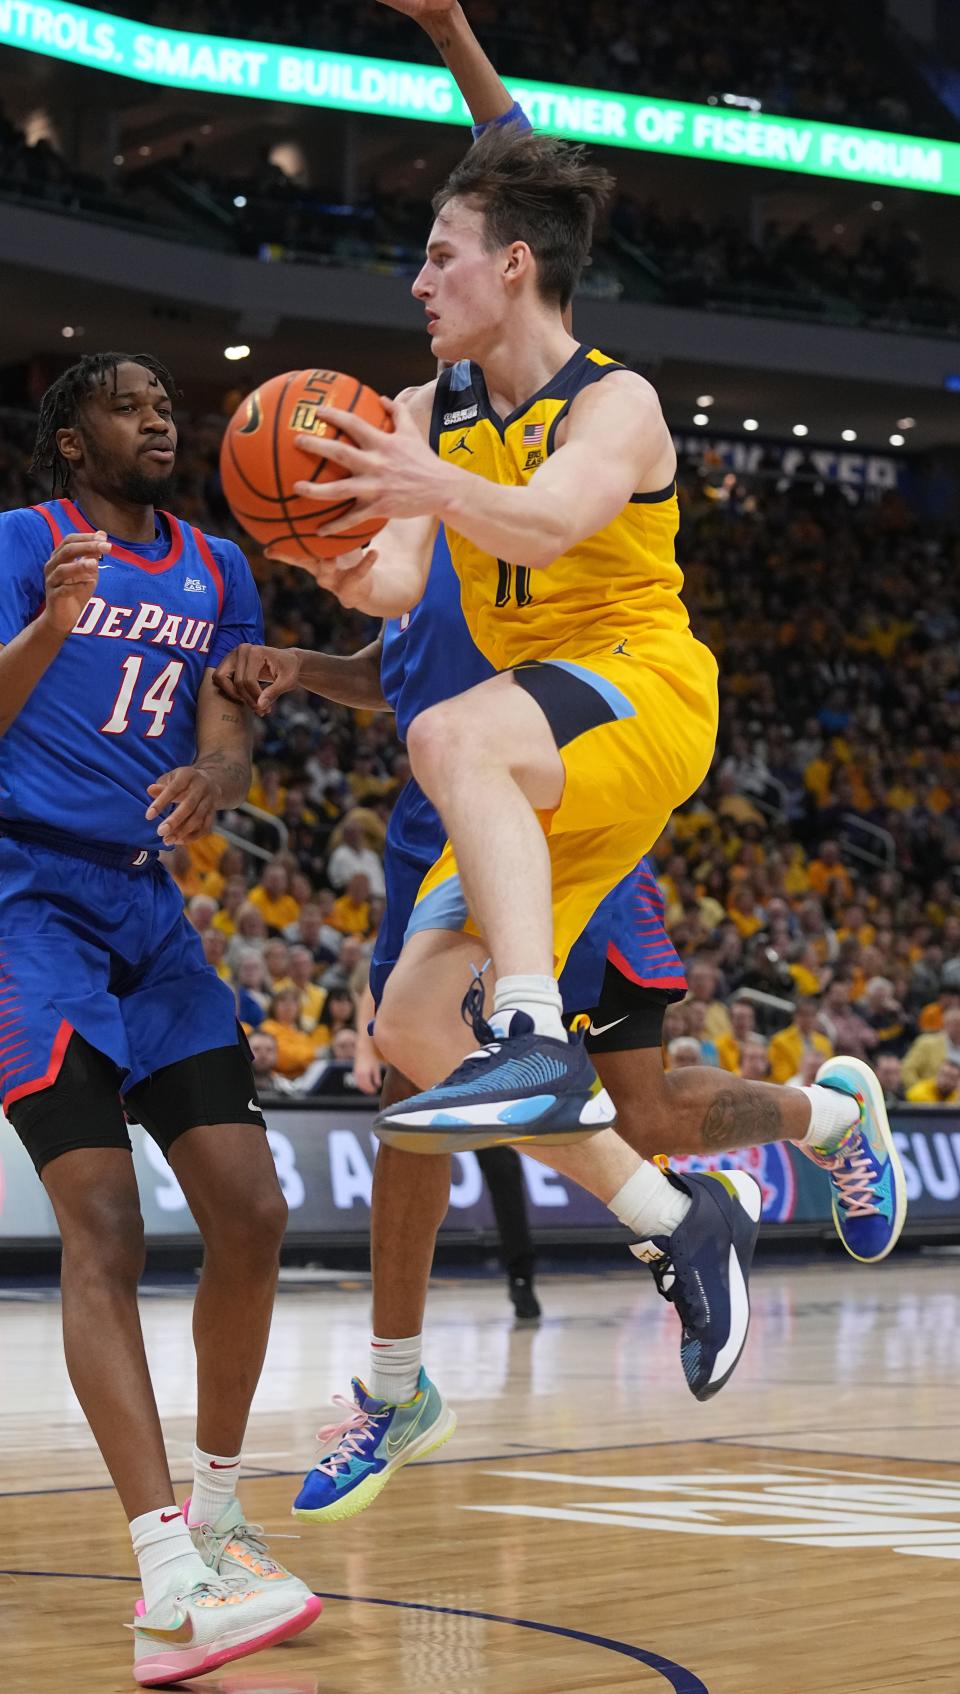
(428, 654)
(118, 705)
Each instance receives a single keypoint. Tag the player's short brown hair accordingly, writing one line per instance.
(535, 189)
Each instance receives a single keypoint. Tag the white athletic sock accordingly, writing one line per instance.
(165, 1553)
(538, 996)
(394, 1368)
(648, 1204)
(214, 1485)
(832, 1113)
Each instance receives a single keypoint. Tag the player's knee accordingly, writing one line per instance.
(433, 742)
(103, 1239)
(251, 1227)
(395, 1029)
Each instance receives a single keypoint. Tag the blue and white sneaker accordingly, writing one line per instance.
(516, 1087)
(704, 1269)
(373, 1442)
(868, 1187)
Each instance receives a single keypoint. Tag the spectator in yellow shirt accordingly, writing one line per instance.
(703, 988)
(806, 972)
(340, 1012)
(295, 1048)
(788, 1045)
(267, 791)
(940, 1090)
(234, 896)
(276, 958)
(272, 896)
(928, 1052)
(856, 926)
(744, 911)
(930, 1020)
(351, 913)
(205, 856)
(214, 949)
(828, 874)
(312, 996)
(730, 1047)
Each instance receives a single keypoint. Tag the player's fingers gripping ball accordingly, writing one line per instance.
(260, 462)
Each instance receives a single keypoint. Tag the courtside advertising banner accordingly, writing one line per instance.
(325, 1155)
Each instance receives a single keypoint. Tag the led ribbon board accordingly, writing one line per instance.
(391, 88)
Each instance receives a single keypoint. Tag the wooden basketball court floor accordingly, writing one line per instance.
(591, 1527)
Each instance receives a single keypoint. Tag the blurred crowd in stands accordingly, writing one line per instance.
(797, 58)
(812, 885)
(882, 277)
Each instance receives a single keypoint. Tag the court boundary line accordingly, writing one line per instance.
(681, 1680)
(739, 1441)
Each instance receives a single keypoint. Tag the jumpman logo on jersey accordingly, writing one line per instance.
(461, 446)
(622, 647)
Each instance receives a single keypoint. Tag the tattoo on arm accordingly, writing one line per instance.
(742, 1117)
(232, 773)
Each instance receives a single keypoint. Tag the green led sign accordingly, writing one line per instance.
(173, 58)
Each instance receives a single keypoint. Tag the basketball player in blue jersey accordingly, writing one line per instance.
(114, 744)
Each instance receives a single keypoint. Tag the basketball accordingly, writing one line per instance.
(260, 461)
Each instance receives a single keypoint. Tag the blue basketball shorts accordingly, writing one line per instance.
(101, 957)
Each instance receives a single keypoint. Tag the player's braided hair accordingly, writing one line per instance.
(61, 406)
(536, 189)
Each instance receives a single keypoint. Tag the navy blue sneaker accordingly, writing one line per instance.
(704, 1269)
(515, 1088)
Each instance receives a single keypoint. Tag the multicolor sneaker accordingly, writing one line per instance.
(869, 1189)
(373, 1442)
(516, 1087)
(704, 1269)
(210, 1624)
(233, 1547)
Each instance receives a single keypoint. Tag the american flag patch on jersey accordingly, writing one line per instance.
(532, 434)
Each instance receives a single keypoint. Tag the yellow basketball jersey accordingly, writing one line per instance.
(621, 584)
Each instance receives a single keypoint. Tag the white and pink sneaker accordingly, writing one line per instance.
(212, 1623)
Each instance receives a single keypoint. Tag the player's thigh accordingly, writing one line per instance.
(494, 718)
(77, 1110)
(420, 1029)
(212, 1090)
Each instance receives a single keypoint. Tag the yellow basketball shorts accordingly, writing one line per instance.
(636, 733)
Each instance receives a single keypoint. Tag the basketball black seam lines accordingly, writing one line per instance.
(275, 446)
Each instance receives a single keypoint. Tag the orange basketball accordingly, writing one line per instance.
(260, 461)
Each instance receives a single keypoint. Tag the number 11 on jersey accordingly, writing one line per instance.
(505, 583)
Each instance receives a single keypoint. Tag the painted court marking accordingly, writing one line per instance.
(681, 1681)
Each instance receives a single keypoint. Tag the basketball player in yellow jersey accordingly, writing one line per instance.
(553, 471)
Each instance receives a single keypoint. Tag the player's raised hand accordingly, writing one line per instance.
(196, 797)
(257, 676)
(391, 474)
(70, 577)
(346, 576)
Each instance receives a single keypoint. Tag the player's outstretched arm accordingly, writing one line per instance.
(616, 444)
(449, 29)
(218, 778)
(258, 676)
